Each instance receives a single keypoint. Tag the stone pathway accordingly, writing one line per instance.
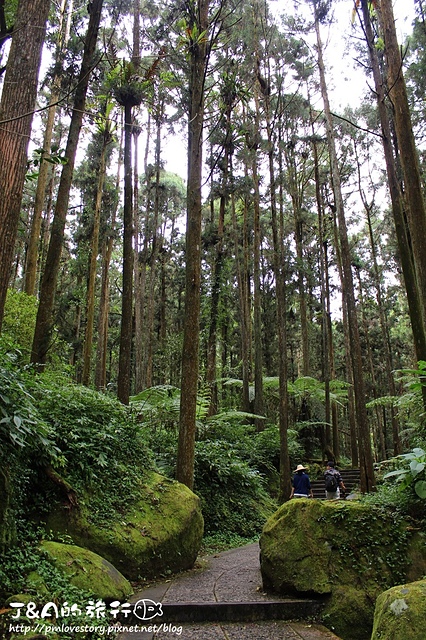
(227, 588)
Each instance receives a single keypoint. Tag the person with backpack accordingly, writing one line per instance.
(301, 484)
(333, 482)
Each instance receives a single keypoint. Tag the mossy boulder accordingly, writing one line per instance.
(347, 553)
(160, 532)
(88, 571)
(400, 613)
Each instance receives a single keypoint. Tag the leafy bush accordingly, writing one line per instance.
(19, 320)
(100, 443)
(411, 473)
(401, 485)
(232, 493)
(21, 426)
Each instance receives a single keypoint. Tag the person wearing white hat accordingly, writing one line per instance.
(301, 484)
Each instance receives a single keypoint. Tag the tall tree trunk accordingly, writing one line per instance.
(241, 265)
(93, 265)
(140, 279)
(102, 342)
(155, 249)
(414, 298)
(364, 442)
(328, 443)
(281, 308)
(44, 321)
(138, 350)
(16, 116)
(397, 448)
(34, 239)
(198, 52)
(416, 212)
(125, 355)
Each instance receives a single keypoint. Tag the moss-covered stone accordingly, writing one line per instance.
(347, 552)
(160, 532)
(89, 571)
(400, 613)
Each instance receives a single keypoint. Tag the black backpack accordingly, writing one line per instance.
(330, 482)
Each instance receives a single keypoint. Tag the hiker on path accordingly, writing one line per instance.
(301, 484)
(333, 482)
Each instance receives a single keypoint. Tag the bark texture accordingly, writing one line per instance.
(16, 115)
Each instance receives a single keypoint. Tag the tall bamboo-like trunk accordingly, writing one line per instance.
(364, 441)
(44, 321)
(43, 175)
(16, 115)
(198, 52)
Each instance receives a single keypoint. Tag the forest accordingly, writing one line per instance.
(262, 307)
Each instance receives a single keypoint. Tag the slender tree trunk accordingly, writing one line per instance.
(34, 239)
(416, 211)
(378, 432)
(215, 296)
(102, 343)
(364, 442)
(138, 346)
(125, 356)
(414, 298)
(93, 265)
(198, 53)
(16, 115)
(44, 322)
(141, 335)
(328, 442)
(243, 296)
(155, 249)
(281, 307)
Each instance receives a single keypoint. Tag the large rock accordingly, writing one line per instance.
(88, 571)
(346, 552)
(400, 613)
(161, 532)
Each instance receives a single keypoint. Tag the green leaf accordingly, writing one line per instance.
(420, 489)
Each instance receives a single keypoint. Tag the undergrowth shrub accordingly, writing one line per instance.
(102, 450)
(233, 495)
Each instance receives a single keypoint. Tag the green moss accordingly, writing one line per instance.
(89, 571)
(349, 552)
(159, 533)
(400, 613)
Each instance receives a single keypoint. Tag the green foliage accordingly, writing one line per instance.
(21, 426)
(100, 444)
(127, 86)
(19, 320)
(232, 493)
(410, 404)
(412, 473)
(27, 569)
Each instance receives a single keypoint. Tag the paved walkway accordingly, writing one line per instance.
(232, 576)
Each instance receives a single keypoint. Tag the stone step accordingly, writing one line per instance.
(182, 612)
(350, 479)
